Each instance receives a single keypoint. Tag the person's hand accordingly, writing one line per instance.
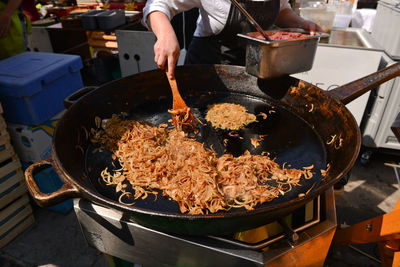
(287, 18)
(5, 22)
(311, 27)
(167, 49)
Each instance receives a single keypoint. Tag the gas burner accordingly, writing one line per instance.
(110, 232)
(261, 238)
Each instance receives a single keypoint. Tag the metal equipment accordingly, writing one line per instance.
(110, 232)
(276, 58)
(329, 139)
(326, 134)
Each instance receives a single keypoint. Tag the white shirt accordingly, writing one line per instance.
(213, 13)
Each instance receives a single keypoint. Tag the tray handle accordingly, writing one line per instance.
(67, 191)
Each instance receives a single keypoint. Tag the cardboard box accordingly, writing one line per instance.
(33, 143)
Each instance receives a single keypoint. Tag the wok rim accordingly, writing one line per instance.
(95, 196)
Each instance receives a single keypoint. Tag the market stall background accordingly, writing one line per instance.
(110, 43)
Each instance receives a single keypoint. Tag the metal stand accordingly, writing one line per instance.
(111, 233)
(384, 229)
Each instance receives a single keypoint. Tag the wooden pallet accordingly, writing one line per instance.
(14, 219)
(15, 210)
(12, 182)
(102, 42)
(3, 125)
(12, 188)
(9, 165)
(4, 137)
(6, 149)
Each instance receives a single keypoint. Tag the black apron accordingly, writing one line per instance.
(226, 47)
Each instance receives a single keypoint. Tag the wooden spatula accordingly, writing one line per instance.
(182, 116)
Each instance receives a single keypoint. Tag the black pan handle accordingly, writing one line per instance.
(67, 191)
(348, 92)
(74, 97)
(396, 127)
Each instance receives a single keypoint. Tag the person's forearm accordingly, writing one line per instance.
(166, 48)
(287, 18)
(160, 24)
(11, 7)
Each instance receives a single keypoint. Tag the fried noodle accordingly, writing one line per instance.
(229, 116)
(158, 159)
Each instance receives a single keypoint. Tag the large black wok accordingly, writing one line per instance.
(308, 126)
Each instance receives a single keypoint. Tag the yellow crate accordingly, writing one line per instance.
(14, 219)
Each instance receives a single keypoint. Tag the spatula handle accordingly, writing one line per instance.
(178, 101)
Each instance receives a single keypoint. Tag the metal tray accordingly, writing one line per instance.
(110, 19)
(269, 59)
(89, 21)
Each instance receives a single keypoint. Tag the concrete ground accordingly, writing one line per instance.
(56, 239)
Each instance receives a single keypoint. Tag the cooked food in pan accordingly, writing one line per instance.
(229, 116)
(280, 35)
(159, 159)
(184, 120)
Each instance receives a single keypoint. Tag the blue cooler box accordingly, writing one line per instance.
(33, 85)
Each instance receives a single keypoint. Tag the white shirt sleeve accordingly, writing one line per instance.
(213, 13)
(168, 7)
(284, 4)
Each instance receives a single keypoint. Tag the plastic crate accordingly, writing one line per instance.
(48, 182)
(110, 19)
(33, 85)
(89, 21)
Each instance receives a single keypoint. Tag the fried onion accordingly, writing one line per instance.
(229, 116)
(155, 159)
